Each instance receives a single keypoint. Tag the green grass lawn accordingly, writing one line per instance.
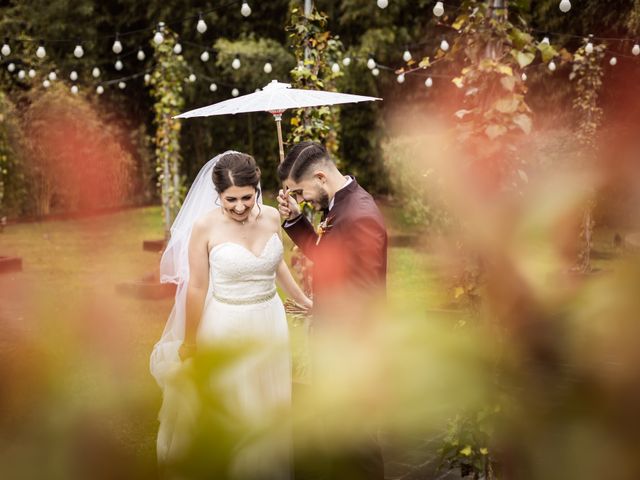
(75, 353)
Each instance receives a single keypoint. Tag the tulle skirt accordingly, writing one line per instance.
(234, 397)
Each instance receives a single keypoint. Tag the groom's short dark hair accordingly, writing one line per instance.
(300, 159)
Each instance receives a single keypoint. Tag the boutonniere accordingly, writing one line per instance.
(323, 227)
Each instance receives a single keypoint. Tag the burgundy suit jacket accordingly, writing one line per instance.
(352, 251)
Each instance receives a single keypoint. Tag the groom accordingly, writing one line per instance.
(349, 253)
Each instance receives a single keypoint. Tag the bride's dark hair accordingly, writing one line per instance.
(236, 169)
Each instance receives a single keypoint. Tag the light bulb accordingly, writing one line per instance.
(22, 74)
(438, 10)
(589, 48)
(117, 46)
(6, 49)
(213, 87)
(147, 78)
(41, 52)
(371, 63)
(565, 6)
(99, 89)
(158, 38)
(268, 68)
(346, 61)
(235, 92)
(428, 82)
(46, 83)
(383, 3)
(74, 89)
(201, 26)
(119, 65)
(444, 45)
(545, 41)
(335, 68)
(375, 72)
(177, 49)
(78, 51)
(636, 49)
(406, 56)
(32, 73)
(613, 62)
(73, 76)
(95, 72)
(11, 67)
(53, 76)
(192, 78)
(552, 66)
(400, 78)
(236, 63)
(141, 56)
(122, 85)
(524, 77)
(245, 10)
(204, 56)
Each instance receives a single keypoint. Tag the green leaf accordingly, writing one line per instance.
(547, 52)
(524, 122)
(466, 451)
(508, 83)
(507, 104)
(524, 58)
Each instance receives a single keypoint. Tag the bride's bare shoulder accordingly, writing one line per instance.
(271, 214)
(208, 220)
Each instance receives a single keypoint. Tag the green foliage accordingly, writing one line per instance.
(315, 50)
(166, 87)
(12, 182)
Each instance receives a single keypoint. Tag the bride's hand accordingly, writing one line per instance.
(187, 350)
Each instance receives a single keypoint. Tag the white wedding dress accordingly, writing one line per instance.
(242, 308)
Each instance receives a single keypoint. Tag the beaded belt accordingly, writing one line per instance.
(245, 301)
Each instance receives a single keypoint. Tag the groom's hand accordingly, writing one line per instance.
(287, 206)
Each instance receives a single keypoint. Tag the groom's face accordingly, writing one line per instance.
(311, 190)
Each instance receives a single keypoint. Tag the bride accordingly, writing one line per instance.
(225, 255)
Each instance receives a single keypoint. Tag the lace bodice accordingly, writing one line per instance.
(238, 275)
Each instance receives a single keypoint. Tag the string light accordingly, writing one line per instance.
(552, 66)
(375, 72)
(201, 26)
(147, 78)
(99, 89)
(565, 6)
(400, 78)
(438, 10)
(613, 62)
(235, 92)
(383, 4)
(192, 78)
(122, 85)
(406, 56)
(6, 48)
(245, 10)
(204, 56)
(46, 83)
(117, 46)
(118, 65)
(636, 50)
(335, 68)
(346, 61)
(141, 56)
(158, 38)
(545, 41)
(32, 73)
(78, 52)
(73, 76)
(53, 76)
(95, 72)
(177, 49)
(41, 52)
(524, 77)
(213, 87)
(589, 48)
(428, 82)
(371, 63)
(268, 68)
(22, 74)
(11, 67)
(74, 89)
(444, 45)
(235, 64)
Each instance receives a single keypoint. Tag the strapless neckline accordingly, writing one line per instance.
(260, 255)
